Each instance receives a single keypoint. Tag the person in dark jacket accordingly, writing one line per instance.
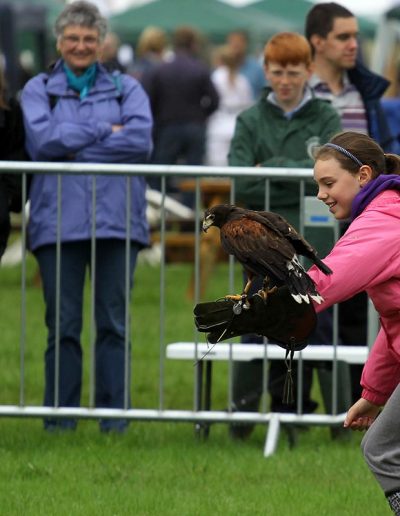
(182, 97)
(340, 77)
(11, 149)
(79, 112)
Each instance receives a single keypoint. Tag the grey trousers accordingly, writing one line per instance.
(381, 445)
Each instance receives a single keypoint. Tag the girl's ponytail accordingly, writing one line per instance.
(392, 162)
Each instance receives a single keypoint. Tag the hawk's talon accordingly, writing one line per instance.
(261, 294)
(264, 293)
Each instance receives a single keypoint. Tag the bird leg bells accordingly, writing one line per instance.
(242, 304)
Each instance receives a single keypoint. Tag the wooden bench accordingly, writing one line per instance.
(179, 246)
(205, 354)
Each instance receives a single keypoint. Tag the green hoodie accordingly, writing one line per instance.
(265, 137)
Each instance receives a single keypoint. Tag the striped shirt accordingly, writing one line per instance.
(348, 103)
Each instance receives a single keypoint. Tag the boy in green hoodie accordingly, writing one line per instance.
(281, 130)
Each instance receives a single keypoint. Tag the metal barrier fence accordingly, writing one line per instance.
(159, 413)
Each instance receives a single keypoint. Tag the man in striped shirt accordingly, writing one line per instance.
(354, 91)
(348, 102)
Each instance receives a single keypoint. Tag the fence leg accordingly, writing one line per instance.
(271, 441)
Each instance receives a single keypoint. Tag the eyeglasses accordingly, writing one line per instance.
(73, 40)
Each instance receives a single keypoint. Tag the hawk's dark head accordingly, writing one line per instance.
(218, 215)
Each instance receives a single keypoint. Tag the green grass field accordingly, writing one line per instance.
(160, 468)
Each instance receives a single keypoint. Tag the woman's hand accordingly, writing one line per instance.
(361, 415)
(116, 128)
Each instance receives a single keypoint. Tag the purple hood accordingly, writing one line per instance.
(371, 190)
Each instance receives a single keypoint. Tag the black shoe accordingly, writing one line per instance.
(240, 431)
(248, 403)
(55, 425)
(116, 426)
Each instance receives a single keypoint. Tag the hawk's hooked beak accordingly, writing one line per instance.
(207, 222)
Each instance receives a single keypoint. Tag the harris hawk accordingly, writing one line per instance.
(267, 246)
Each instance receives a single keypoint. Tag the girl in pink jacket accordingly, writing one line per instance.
(357, 180)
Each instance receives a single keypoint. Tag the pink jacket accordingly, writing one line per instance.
(367, 258)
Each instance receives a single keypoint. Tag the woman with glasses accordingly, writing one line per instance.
(81, 113)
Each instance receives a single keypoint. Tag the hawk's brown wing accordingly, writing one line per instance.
(257, 247)
(300, 244)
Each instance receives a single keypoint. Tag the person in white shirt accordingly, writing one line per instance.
(235, 95)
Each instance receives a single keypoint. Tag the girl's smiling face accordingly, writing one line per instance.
(337, 187)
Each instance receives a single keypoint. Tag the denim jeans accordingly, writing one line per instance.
(109, 313)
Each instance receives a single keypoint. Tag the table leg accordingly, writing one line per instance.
(203, 399)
